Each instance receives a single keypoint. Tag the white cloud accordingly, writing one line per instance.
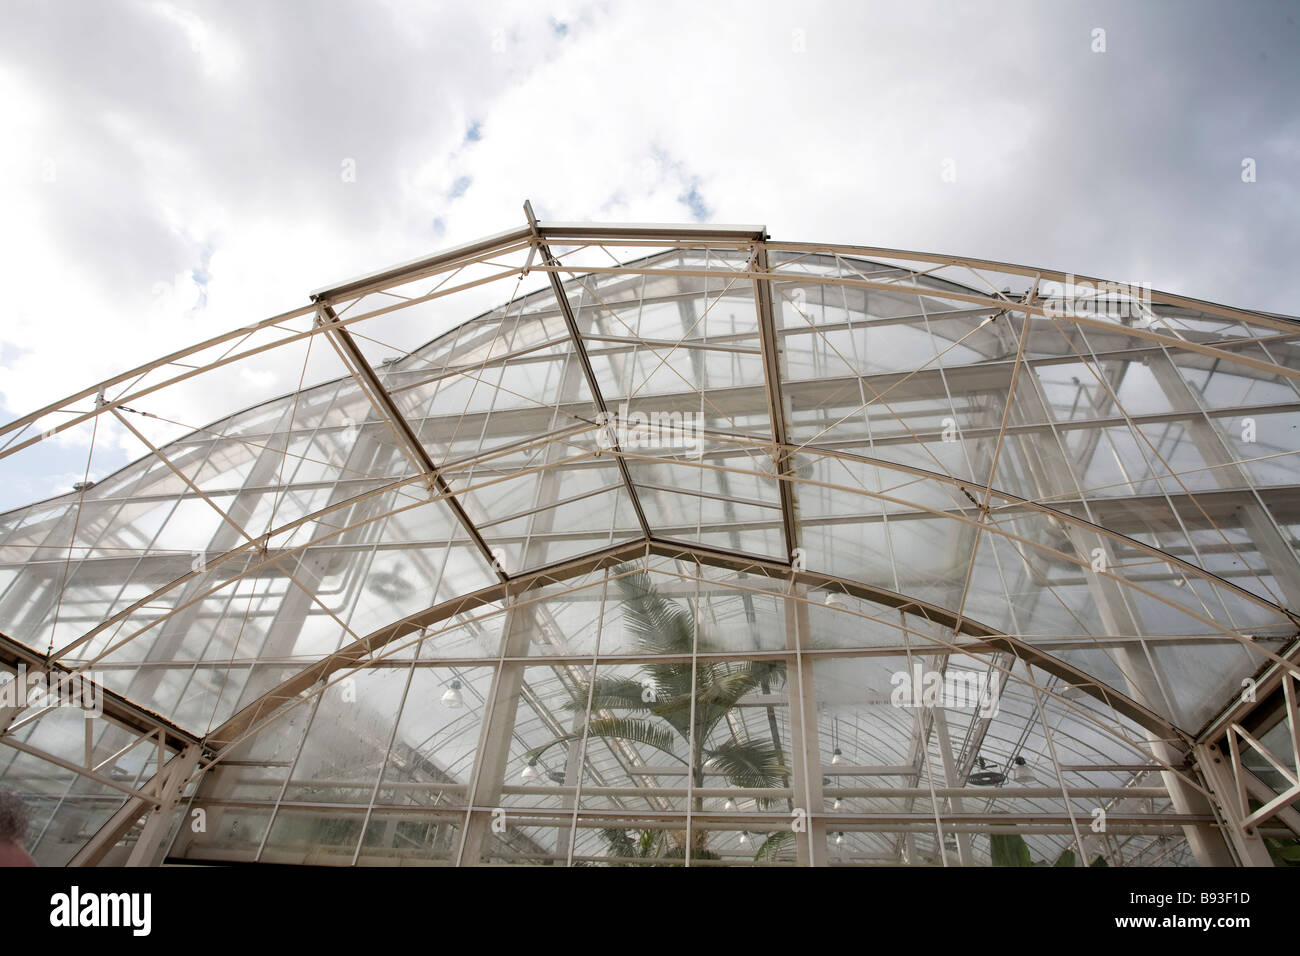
(179, 169)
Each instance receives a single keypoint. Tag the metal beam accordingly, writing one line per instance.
(170, 783)
(1266, 680)
(781, 454)
(1217, 769)
(580, 353)
(1283, 323)
(418, 268)
(673, 236)
(405, 436)
(356, 654)
(117, 708)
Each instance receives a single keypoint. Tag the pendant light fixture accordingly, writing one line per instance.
(1021, 772)
(451, 697)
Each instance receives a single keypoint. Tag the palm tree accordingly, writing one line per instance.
(646, 844)
(674, 702)
(1010, 849)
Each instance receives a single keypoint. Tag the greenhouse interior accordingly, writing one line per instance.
(639, 545)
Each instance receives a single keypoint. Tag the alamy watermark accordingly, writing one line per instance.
(75, 908)
(651, 430)
(953, 688)
(1089, 297)
(38, 689)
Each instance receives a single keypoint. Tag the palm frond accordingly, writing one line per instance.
(1009, 849)
(536, 752)
(645, 845)
(659, 625)
(771, 673)
(776, 846)
(610, 693)
(727, 689)
(749, 764)
(619, 843)
(697, 853)
(670, 679)
(636, 730)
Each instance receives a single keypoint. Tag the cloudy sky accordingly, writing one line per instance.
(174, 169)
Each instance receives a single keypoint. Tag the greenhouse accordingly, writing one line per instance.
(638, 545)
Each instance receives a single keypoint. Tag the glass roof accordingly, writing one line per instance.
(666, 550)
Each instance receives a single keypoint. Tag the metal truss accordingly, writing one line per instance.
(1094, 492)
(1235, 761)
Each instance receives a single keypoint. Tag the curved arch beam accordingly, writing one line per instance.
(1283, 323)
(1009, 497)
(990, 639)
(673, 236)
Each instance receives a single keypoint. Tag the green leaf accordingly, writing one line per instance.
(635, 729)
(1065, 859)
(697, 853)
(647, 844)
(703, 694)
(610, 693)
(726, 689)
(620, 844)
(1009, 849)
(1283, 852)
(659, 625)
(780, 844)
(749, 764)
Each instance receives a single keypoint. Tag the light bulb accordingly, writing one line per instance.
(837, 757)
(839, 839)
(1022, 773)
(729, 805)
(744, 838)
(836, 804)
(451, 697)
(530, 771)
